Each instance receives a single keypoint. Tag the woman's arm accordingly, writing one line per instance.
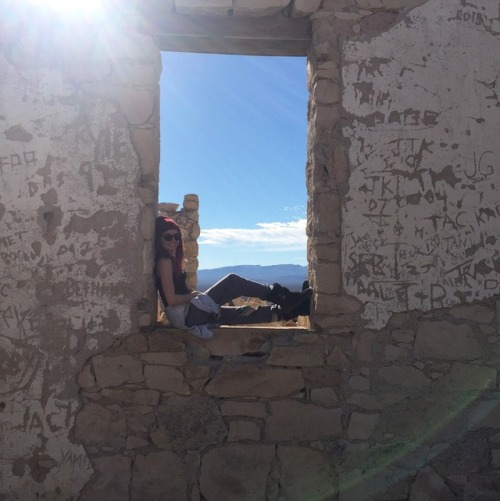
(166, 274)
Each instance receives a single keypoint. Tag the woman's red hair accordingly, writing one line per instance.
(163, 224)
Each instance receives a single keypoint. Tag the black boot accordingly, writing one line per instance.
(278, 294)
(301, 306)
(292, 304)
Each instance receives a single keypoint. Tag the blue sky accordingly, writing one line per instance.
(233, 131)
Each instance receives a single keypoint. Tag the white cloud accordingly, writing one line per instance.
(267, 236)
(298, 210)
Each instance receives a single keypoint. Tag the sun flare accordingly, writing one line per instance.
(71, 7)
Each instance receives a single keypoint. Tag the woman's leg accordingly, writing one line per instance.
(233, 286)
(234, 315)
(195, 316)
(241, 315)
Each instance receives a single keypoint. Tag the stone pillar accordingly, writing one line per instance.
(327, 175)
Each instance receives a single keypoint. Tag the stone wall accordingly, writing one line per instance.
(402, 175)
(79, 180)
(411, 411)
(393, 394)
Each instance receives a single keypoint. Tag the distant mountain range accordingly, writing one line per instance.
(288, 275)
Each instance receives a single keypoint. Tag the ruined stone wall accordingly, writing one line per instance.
(94, 408)
(404, 202)
(78, 176)
(404, 412)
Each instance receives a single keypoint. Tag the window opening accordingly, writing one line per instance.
(233, 132)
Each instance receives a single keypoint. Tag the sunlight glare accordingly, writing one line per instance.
(71, 7)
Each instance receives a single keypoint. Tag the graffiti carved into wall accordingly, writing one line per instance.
(68, 223)
(422, 216)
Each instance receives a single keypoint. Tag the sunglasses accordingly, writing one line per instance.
(169, 238)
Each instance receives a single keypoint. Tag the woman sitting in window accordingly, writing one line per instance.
(193, 310)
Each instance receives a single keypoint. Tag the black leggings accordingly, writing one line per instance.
(230, 287)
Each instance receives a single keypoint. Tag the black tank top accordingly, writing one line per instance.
(180, 286)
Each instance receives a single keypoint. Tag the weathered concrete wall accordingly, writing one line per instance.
(404, 212)
(78, 171)
(421, 222)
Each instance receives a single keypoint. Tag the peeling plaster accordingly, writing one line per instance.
(421, 218)
(68, 249)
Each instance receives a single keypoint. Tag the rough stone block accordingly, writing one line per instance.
(238, 472)
(326, 92)
(203, 7)
(197, 371)
(362, 426)
(296, 356)
(473, 312)
(250, 409)
(404, 376)
(338, 358)
(191, 202)
(348, 16)
(308, 338)
(364, 345)
(176, 358)
(95, 424)
(165, 379)
(322, 377)
(446, 341)
(334, 5)
(399, 4)
(126, 45)
(134, 442)
(258, 8)
(111, 482)
(326, 397)
(236, 342)
(247, 381)
(466, 456)
(85, 378)
(372, 402)
(189, 423)
(495, 439)
(135, 73)
(369, 4)
(304, 8)
(136, 397)
(136, 343)
(243, 430)
(486, 415)
(116, 370)
(463, 377)
(305, 474)
(359, 383)
(326, 279)
(403, 335)
(395, 352)
(293, 420)
(147, 144)
(158, 476)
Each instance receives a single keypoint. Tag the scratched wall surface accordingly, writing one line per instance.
(421, 220)
(71, 264)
